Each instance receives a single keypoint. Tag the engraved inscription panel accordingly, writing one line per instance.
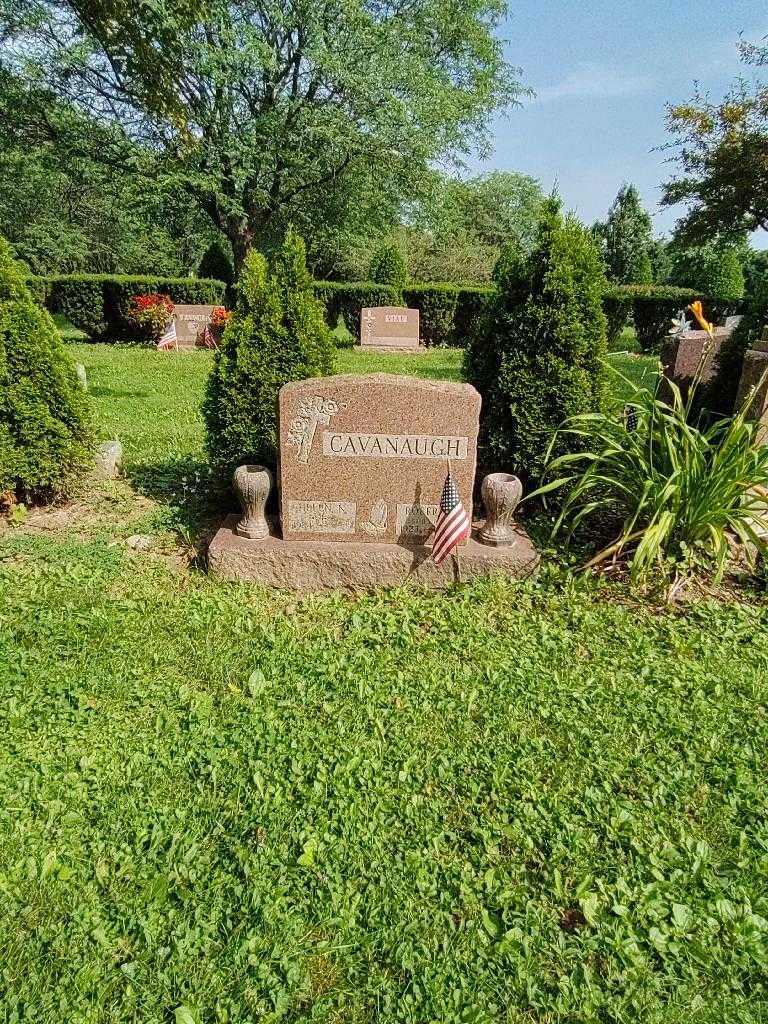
(416, 521)
(190, 321)
(394, 446)
(322, 516)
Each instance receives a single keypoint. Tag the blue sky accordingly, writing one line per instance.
(603, 72)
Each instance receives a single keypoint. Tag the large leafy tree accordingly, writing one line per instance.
(625, 239)
(255, 108)
(722, 155)
(458, 227)
(64, 214)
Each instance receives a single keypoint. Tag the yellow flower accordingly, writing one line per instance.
(698, 312)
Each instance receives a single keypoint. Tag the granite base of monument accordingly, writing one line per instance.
(312, 566)
(412, 350)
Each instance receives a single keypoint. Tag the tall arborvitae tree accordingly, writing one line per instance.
(537, 358)
(625, 239)
(46, 441)
(277, 334)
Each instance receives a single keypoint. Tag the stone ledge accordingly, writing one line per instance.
(311, 566)
(398, 349)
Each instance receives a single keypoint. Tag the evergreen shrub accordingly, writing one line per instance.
(276, 334)
(537, 355)
(388, 266)
(46, 442)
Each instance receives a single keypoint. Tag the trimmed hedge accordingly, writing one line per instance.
(344, 300)
(652, 307)
(448, 312)
(617, 306)
(98, 303)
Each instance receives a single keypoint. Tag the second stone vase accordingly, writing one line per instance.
(501, 494)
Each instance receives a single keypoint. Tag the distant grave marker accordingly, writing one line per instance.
(389, 327)
(191, 321)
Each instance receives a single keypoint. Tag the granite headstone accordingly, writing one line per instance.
(392, 327)
(191, 322)
(364, 457)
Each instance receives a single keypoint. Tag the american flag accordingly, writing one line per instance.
(452, 524)
(168, 339)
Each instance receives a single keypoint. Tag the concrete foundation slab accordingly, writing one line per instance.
(312, 566)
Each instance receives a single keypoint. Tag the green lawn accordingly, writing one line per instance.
(151, 401)
(515, 802)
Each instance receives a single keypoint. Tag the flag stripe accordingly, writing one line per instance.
(450, 539)
(168, 339)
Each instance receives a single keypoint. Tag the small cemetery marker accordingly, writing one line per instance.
(191, 321)
(389, 327)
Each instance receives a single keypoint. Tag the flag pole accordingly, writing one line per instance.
(456, 549)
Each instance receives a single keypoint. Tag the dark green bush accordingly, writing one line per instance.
(345, 300)
(654, 306)
(536, 358)
(80, 299)
(388, 265)
(437, 311)
(216, 264)
(98, 303)
(39, 288)
(45, 434)
(447, 312)
(277, 334)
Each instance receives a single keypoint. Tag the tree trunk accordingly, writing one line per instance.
(241, 239)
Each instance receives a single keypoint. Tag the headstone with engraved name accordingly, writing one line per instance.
(191, 322)
(364, 457)
(393, 327)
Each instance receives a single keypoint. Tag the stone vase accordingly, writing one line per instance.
(501, 494)
(252, 486)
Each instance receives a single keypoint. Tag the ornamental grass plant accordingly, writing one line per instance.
(675, 486)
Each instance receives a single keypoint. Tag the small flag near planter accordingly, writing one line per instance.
(452, 525)
(168, 339)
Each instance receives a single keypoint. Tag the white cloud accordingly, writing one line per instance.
(595, 81)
